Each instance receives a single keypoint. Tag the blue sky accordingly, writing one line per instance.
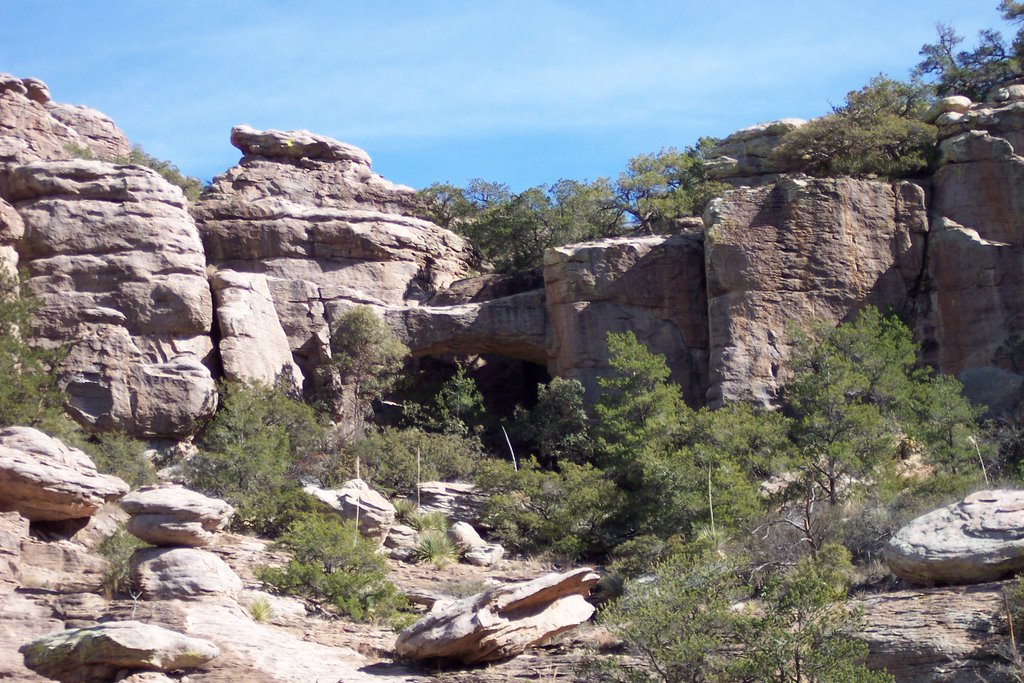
(518, 92)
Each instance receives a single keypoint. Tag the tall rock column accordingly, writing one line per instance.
(799, 250)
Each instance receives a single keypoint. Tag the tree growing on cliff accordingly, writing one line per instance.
(29, 393)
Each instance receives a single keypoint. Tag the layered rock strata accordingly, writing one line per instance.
(116, 263)
(797, 251)
(170, 515)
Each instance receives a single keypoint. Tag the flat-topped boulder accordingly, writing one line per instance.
(98, 653)
(747, 157)
(357, 502)
(294, 144)
(185, 573)
(501, 622)
(44, 480)
(171, 515)
(979, 539)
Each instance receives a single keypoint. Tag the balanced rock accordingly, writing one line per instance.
(748, 155)
(355, 500)
(169, 573)
(98, 653)
(501, 622)
(979, 539)
(167, 514)
(44, 480)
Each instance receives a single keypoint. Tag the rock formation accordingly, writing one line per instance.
(747, 156)
(357, 502)
(98, 653)
(170, 515)
(979, 539)
(501, 622)
(796, 251)
(44, 480)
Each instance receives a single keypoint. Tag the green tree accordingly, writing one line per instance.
(365, 363)
(29, 393)
(457, 407)
(557, 428)
(876, 132)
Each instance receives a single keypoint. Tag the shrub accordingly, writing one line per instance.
(430, 521)
(248, 452)
(436, 548)
(331, 562)
(876, 132)
(192, 187)
(119, 454)
(405, 510)
(260, 610)
(117, 549)
(388, 459)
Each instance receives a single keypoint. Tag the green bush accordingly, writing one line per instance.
(117, 549)
(332, 563)
(877, 132)
(430, 521)
(119, 454)
(436, 548)
(248, 456)
(388, 459)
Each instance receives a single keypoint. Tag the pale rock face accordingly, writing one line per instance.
(957, 104)
(253, 344)
(465, 536)
(798, 251)
(13, 529)
(184, 573)
(171, 515)
(746, 157)
(501, 622)
(979, 539)
(924, 635)
(44, 480)
(12, 229)
(355, 500)
(61, 565)
(652, 286)
(976, 249)
(458, 501)
(307, 214)
(485, 555)
(32, 127)
(97, 653)
(117, 264)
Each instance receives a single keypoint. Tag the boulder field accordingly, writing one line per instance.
(156, 297)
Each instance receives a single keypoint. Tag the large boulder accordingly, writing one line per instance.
(650, 285)
(747, 157)
(456, 500)
(167, 514)
(802, 250)
(357, 502)
(44, 480)
(501, 622)
(117, 265)
(979, 539)
(98, 653)
(170, 573)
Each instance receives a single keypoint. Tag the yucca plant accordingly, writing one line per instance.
(260, 610)
(405, 510)
(430, 521)
(435, 547)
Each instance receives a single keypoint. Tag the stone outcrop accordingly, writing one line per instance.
(747, 157)
(170, 515)
(326, 233)
(98, 653)
(651, 285)
(33, 127)
(169, 573)
(44, 480)
(357, 502)
(951, 634)
(474, 549)
(13, 528)
(801, 250)
(12, 229)
(458, 501)
(979, 539)
(501, 622)
(117, 265)
(976, 249)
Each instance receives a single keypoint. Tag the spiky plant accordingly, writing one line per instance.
(435, 547)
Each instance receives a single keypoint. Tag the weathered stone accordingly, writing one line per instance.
(169, 573)
(458, 501)
(166, 514)
(401, 536)
(501, 622)
(11, 230)
(101, 135)
(485, 555)
(61, 566)
(652, 286)
(294, 144)
(13, 529)
(935, 634)
(465, 536)
(356, 501)
(23, 617)
(253, 344)
(798, 251)
(117, 265)
(36, 90)
(99, 652)
(43, 479)
(979, 539)
(747, 156)
(957, 104)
